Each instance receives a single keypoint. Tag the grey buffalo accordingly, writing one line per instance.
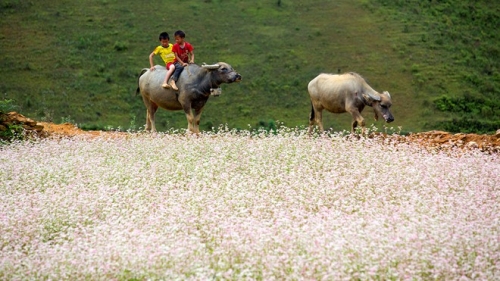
(195, 85)
(348, 92)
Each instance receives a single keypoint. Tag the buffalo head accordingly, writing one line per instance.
(224, 72)
(382, 106)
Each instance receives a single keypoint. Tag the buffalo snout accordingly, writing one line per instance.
(237, 77)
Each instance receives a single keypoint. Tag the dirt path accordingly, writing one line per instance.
(433, 140)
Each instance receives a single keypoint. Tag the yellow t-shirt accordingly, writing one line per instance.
(166, 54)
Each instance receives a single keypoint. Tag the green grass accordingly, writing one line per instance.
(82, 58)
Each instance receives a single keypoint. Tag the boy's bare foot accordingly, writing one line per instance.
(165, 85)
(172, 84)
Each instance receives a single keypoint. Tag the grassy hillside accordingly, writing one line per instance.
(78, 61)
(453, 47)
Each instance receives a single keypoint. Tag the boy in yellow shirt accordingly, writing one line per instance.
(166, 54)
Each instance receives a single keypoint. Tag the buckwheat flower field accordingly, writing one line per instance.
(236, 205)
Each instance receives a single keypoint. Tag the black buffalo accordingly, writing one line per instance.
(195, 85)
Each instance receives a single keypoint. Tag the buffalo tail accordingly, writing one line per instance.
(138, 90)
(311, 116)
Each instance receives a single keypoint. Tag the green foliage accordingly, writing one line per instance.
(120, 46)
(7, 106)
(469, 104)
(93, 127)
(477, 115)
(12, 133)
(268, 126)
(469, 125)
(67, 119)
(91, 53)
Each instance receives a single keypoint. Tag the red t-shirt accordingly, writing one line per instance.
(182, 53)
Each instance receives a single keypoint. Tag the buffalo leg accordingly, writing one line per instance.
(316, 118)
(147, 104)
(196, 120)
(319, 120)
(151, 116)
(357, 119)
(189, 116)
(151, 108)
(148, 122)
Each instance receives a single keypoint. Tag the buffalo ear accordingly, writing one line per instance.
(370, 97)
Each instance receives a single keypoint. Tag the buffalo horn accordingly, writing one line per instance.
(210, 66)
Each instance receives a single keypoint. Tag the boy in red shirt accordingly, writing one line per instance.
(183, 55)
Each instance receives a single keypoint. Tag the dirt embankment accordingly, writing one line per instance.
(435, 140)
